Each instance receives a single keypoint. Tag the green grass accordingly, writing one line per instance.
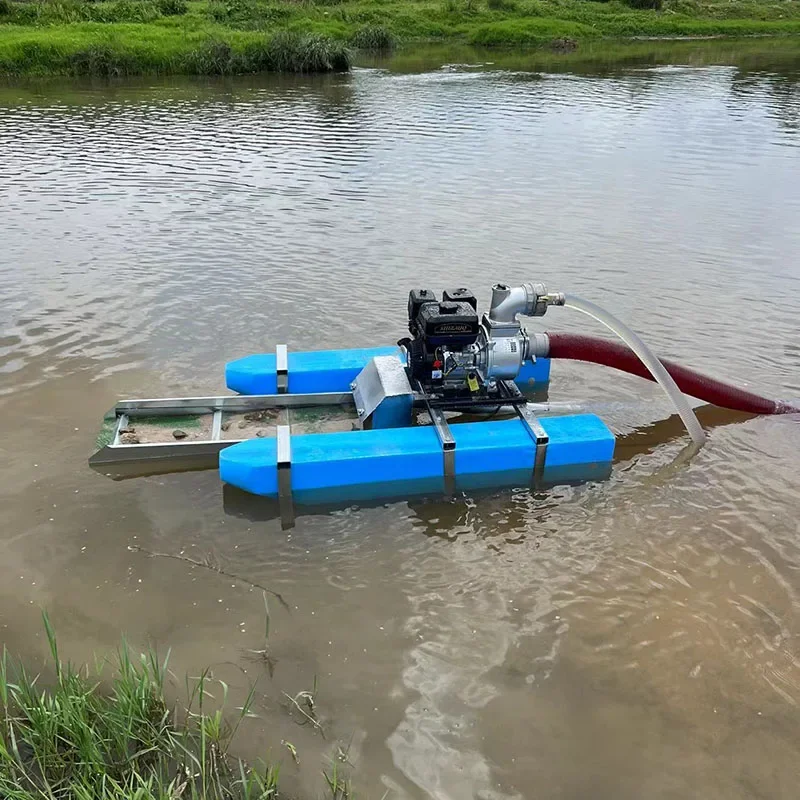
(374, 37)
(86, 737)
(164, 47)
(75, 37)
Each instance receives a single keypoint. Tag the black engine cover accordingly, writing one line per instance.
(416, 299)
(453, 324)
(460, 296)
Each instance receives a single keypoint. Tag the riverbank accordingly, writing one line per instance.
(110, 732)
(130, 37)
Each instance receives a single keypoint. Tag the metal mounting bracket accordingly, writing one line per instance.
(446, 440)
(284, 465)
(282, 368)
(540, 440)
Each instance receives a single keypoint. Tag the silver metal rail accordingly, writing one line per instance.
(176, 406)
(126, 412)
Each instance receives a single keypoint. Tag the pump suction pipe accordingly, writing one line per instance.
(612, 354)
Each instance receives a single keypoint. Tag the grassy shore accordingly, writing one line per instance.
(110, 734)
(122, 37)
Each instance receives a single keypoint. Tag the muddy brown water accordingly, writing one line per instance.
(633, 638)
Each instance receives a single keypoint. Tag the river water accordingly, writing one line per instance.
(632, 638)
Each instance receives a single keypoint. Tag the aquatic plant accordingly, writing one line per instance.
(86, 738)
(214, 57)
(101, 61)
(374, 37)
(284, 52)
(340, 787)
(287, 51)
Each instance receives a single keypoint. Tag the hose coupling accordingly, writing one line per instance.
(553, 299)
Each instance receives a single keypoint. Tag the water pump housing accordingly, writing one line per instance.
(458, 358)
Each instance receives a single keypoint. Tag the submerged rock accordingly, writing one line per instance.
(264, 415)
(179, 434)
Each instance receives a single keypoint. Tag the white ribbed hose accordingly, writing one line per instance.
(648, 358)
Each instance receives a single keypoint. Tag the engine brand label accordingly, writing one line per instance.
(453, 328)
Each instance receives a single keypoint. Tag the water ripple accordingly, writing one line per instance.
(578, 639)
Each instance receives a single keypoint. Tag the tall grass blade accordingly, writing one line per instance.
(51, 639)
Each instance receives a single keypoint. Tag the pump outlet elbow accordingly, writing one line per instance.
(507, 302)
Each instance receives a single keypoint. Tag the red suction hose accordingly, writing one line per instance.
(619, 356)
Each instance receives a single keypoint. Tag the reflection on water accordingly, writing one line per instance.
(632, 638)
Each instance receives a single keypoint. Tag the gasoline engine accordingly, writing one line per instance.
(462, 361)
